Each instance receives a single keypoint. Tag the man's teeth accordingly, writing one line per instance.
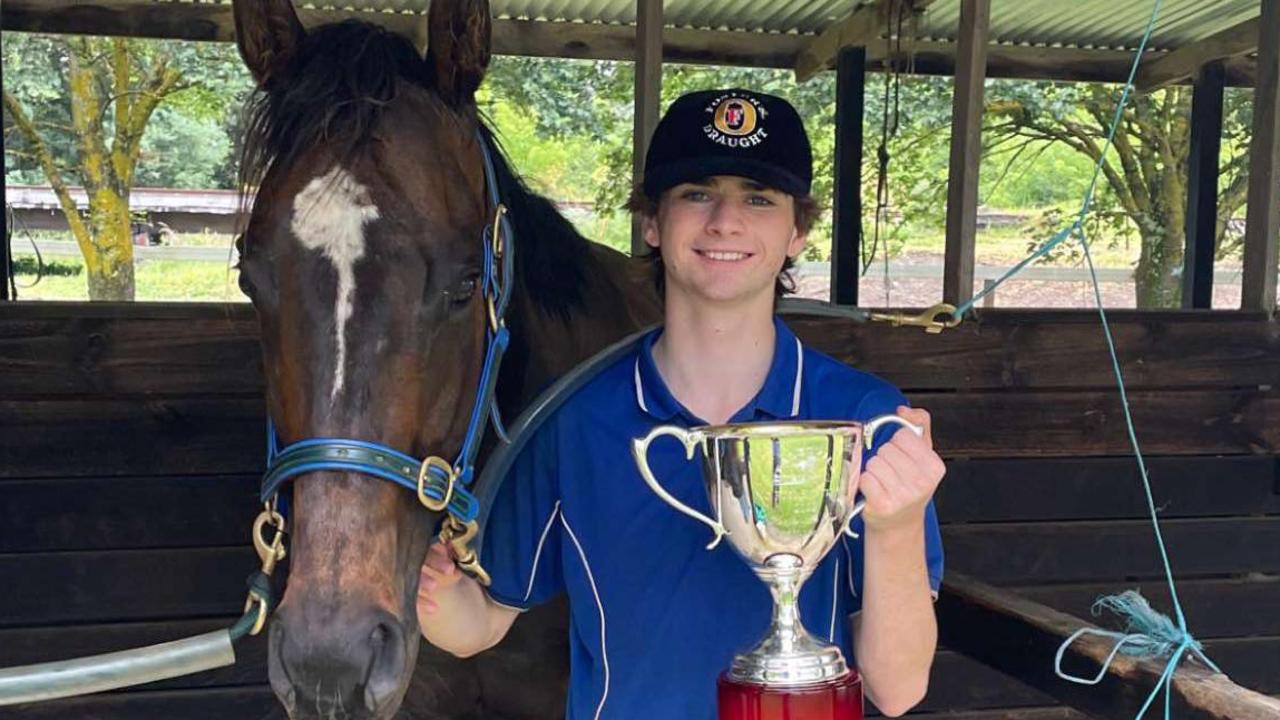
(718, 255)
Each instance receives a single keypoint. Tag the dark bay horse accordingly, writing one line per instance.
(363, 256)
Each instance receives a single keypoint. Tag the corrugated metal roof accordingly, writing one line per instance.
(1115, 24)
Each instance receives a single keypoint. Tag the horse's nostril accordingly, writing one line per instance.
(387, 664)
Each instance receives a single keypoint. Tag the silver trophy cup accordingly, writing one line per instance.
(783, 493)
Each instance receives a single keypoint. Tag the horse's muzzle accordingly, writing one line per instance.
(353, 664)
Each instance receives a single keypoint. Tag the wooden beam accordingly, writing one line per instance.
(1183, 63)
(859, 28)
(648, 95)
(1202, 187)
(846, 206)
(1262, 231)
(6, 252)
(1019, 638)
(966, 151)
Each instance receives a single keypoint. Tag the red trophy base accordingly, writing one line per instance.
(839, 699)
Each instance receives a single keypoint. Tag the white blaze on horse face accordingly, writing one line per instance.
(329, 215)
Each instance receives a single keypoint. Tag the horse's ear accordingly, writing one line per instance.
(458, 47)
(267, 33)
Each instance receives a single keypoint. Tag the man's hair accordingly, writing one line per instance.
(806, 214)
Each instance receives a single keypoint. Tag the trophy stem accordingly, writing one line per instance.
(786, 628)
(788, 655)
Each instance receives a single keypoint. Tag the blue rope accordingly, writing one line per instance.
(1078, 226)
(1148, 633)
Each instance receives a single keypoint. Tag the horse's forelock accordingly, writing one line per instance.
(341, 78)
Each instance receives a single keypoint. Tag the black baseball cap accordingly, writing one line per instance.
(729, 132)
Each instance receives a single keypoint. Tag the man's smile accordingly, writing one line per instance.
(724, 255)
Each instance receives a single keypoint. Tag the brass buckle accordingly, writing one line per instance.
(498, 212)
(928, 319)
(261, 620)
(270, 554)
(427, 502)
(495, 234)
(458, 537)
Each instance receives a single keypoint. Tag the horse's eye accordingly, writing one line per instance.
(463, 292)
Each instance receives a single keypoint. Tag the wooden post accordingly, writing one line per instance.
(1258, 291)
(846, 206)
(647, 95)
(1202, 187)
(966, 151)
(6, 252)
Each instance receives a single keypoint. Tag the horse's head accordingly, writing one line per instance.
(363, 257)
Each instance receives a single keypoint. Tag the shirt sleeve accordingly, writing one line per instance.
(521, 550)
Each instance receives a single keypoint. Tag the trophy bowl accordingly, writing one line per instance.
(782, 493)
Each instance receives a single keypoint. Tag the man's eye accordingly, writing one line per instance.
(760, 200)
(694, 195)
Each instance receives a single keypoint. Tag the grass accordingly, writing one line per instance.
(155, 280)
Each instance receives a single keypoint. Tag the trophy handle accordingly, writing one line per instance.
(690, 440)
(868, 438)
(870, 427)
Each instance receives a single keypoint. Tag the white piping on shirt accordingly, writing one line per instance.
(795, 394)
(849, 568)
(640, 389)
(533, 573)
(835, 586)
(604, 646)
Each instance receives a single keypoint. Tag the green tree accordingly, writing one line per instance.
(77, 109)
(1145, 174)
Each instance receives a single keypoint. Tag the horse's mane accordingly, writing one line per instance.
(341, 78)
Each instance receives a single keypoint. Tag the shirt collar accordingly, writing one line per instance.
(778, 398)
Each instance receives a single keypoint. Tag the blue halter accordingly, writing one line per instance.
(441, 486)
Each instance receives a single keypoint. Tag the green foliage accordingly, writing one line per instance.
(190, 139)
(183, 151)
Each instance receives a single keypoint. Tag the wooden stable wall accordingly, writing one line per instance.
(131, 438)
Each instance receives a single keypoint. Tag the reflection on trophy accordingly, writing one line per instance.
(783, 493)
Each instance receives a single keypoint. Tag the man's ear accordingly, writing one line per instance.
(796, 245)
(649, 230)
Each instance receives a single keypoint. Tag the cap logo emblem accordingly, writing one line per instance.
(735, 121)
(735, 116)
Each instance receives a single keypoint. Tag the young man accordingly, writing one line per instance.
(654, 616)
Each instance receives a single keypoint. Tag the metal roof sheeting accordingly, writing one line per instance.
(1114, 24)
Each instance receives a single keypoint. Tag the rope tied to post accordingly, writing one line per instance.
(1147, 633)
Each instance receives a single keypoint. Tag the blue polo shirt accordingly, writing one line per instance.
(654, 616)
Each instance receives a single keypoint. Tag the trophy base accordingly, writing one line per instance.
(838, 699)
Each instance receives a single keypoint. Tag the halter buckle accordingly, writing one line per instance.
(496, 249)
(450, 477)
